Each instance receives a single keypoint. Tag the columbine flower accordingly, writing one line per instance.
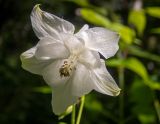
(70, 63)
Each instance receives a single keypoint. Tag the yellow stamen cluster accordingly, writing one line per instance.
(65, 69)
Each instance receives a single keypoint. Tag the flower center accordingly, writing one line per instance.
(68, 66)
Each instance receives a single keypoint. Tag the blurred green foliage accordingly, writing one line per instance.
(25, 98)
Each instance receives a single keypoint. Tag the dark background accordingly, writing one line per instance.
(25, 98)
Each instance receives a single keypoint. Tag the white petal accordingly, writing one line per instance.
(62, 99)
(49, 48)
(31, 64)
(81, 81)
(72, 43)
(101, 40)
(52, 76)
(104, 83)
(90, 58)
(61, 87)
(45, 24)
(85, 27)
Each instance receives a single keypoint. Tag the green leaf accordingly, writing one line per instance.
(153, 84)
(147, 118)
(140, 93)
(136, 66)
(142, 97)
(87, 4)
(83, 3)
(157, 107)
(131, 63)
(115, 63)
(137, 51)
(138, 19)
(94, 17)
(43, 89)
(155, 30)
(126, 33)
(62, 123)
(153, 11)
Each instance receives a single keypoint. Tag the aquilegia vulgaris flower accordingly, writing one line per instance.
(70, 62)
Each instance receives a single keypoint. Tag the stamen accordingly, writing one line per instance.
(68, 66)
(65, 70)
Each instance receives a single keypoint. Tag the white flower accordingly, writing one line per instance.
(70, 63)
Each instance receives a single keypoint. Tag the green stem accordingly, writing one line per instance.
(121, 98)
(121, 55)
(157, 108)
(80, 110)
(73, 114)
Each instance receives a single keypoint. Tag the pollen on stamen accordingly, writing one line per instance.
(65, 70)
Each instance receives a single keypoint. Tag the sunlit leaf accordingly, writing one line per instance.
(132, 63)
(62, 123)
(155, 30)
(147, 118)
(153, 11)
(83, 3)
(136, 66)
(94, 17)
(126, 33)
(115, 62)
(43, 89)
(153, 84)
(138, 19)
(157, 107)
(87, 4)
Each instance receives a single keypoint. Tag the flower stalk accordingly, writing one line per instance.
(80, 110)
(121, 97)
(121, 69)
(73, 114)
